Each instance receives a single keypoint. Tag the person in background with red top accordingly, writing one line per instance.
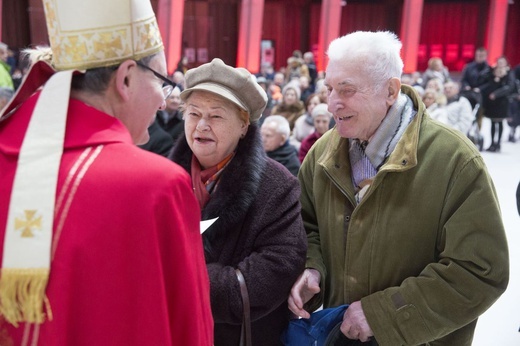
(321, 119)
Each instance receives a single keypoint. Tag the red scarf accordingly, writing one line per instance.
(205, 181)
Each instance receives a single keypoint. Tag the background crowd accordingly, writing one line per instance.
(459, 100)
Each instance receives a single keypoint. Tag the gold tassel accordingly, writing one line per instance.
(22, 295)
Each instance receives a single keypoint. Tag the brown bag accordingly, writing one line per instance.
(245, 335)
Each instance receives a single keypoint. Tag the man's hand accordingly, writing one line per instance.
(355, 325)
(305, 287)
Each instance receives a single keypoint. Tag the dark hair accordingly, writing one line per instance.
(310, 97)
(96, 79)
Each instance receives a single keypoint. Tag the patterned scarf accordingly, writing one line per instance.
(366, 158)
(205, 181)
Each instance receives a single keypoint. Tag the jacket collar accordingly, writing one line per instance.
(335, 161)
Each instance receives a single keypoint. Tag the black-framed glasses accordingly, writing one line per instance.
(168, 88)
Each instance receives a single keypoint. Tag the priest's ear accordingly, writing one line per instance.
(125, 78)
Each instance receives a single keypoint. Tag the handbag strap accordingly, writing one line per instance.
(245, 338)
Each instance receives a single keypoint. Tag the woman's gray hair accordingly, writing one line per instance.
(94, 80)
(282, 125)
(379, 51)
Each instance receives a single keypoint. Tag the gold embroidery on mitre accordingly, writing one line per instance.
(110, 44)
(28, 224)
(76, 48)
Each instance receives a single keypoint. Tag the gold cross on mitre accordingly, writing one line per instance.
(28, 223)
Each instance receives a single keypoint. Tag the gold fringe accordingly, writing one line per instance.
(22, 295)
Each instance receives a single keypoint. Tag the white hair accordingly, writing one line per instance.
(281, 124)
(321, 109)
(379, 51)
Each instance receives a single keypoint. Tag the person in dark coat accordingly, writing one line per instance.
(500, 84)
(275, 137)
(255, 201)
(474, 75)
(170, 118)
(160, 141)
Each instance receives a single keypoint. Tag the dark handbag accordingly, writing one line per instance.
(245, 335)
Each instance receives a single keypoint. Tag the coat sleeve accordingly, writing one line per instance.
(472, 270)
(185, 276)
(310, 222)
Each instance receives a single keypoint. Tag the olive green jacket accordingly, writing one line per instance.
(425, 250)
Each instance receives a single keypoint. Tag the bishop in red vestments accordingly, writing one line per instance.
(126, 259)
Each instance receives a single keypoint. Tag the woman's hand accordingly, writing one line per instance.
(305, 287)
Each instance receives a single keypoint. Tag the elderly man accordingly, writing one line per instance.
(401, 215)
(100, 240)
(458, 108)
(275, 133)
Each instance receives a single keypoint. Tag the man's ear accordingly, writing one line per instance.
(125, 76)
(394, 86)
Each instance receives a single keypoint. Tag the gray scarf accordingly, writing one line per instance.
(366, 158)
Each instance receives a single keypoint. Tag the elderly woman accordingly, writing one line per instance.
(321, 120)
(259, 229)
(275, 137)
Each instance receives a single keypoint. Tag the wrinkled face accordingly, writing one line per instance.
(173, 101)
(147, 99)
(271, 139)
(213, 127)
(290, 97)
(357, 107)
(321, 123)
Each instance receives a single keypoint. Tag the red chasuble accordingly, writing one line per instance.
(127, 262)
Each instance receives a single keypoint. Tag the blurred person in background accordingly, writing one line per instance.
(499, 86)
(321, 118)
(275, 138)
(290, 107)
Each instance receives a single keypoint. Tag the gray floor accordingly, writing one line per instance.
(499, 325)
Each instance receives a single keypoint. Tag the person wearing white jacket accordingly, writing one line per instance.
(459, 110)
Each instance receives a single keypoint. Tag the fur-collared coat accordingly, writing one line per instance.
(260, 231)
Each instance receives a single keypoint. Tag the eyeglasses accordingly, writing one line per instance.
(168, 88)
